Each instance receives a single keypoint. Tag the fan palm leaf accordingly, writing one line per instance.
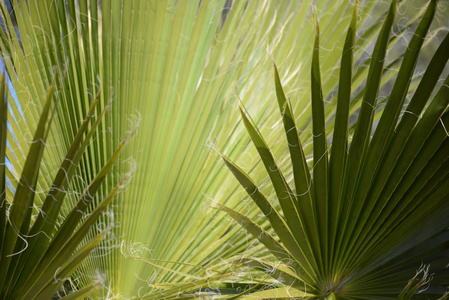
(363, 220)
(36, 254)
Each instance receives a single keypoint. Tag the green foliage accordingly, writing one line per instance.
(370, 212)
(179, 64)
(37, 253)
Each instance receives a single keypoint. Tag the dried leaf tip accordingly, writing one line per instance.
(97, 97)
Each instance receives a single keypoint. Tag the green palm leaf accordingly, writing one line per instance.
(378, 210)
(29, 261)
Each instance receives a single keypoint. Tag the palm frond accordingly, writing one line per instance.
(376, 207)
(37, 255)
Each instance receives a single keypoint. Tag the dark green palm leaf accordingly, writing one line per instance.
(379, 209)
(35, 250)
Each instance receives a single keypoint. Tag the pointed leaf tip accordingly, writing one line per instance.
(316, 24)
